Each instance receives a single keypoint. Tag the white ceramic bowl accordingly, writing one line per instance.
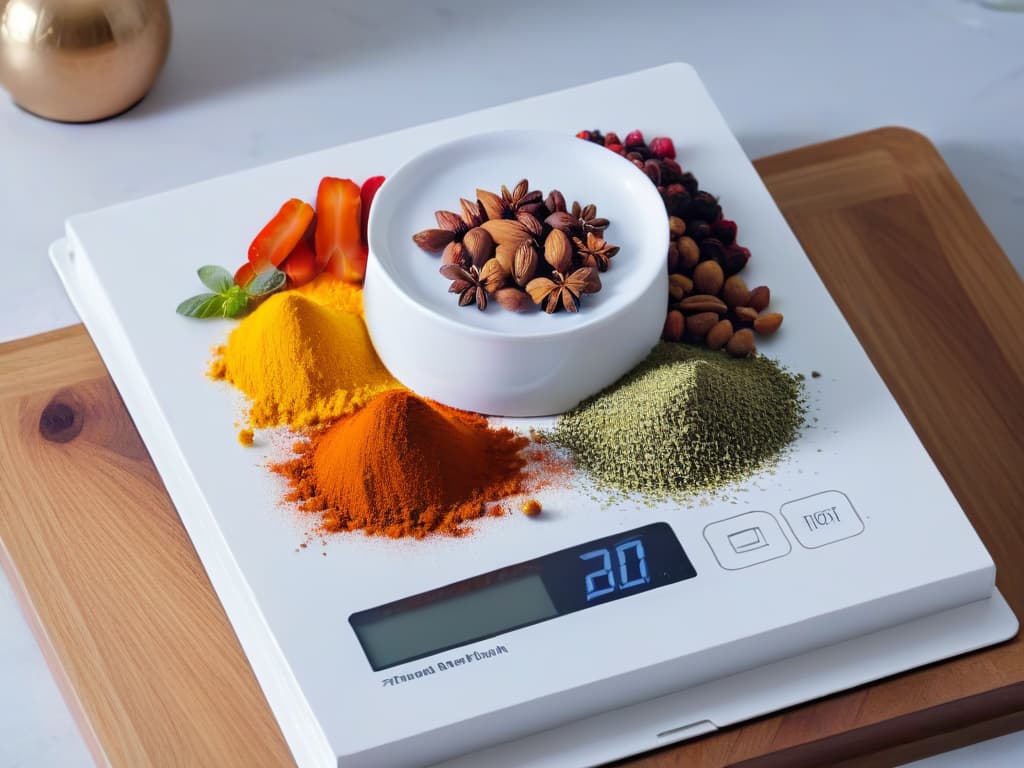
(499, 362)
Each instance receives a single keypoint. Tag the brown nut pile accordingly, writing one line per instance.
(706, 307)
(520, 249)
(708, 303)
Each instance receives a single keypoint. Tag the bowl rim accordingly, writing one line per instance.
(378, 232)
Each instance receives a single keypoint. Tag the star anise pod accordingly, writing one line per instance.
(451, 229)
(509, 203)
(474, 284)
(555, 201)
(521, 198)
(587, 220)
(466, 283)
(563, 290)
(595, 252)
(452, 222)
(471, 213)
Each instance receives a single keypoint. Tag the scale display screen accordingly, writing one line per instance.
(519, 595)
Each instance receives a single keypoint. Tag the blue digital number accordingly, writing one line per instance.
(624, 581)
(593, 591)
(603, 582)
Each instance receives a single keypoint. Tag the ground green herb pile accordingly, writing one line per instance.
(685, 420)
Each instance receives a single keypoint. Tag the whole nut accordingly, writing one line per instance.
(529, 221)
(698, 303)
(673, 258)
(506, 254)
(742, 343)
(746, 314)
(676, 227)
(558, 250)
(454, 253)
(719, 334)
(735, 292)
(524, 263)
(759, 298)
(506, 231)
(689, 252)
(768, 323)
(679, 286)
(708, 278)
(513, 299)
(478, 246)
(433, 240)
(673, 330)
(701, 323)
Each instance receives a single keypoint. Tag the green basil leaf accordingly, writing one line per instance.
(203, 305)
(217, 279)
(235, 301)
(266, 282)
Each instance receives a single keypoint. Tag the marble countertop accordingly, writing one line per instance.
(252, 82)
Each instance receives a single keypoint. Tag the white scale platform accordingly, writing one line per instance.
(852, 561)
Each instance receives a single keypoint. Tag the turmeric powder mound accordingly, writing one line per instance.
(301, 363)
(331, 291)
(402, 466)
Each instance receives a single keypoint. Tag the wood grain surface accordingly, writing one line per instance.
(152, 668)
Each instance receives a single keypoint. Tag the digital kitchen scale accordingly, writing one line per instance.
(598, 630)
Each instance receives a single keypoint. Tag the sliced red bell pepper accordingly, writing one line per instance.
(278, 238)
(244, 275)
(300, 266)
(366, 195)
(338, 247)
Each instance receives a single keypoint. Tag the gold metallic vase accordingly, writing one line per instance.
(81, 60)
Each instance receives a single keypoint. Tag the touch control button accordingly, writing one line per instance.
(822, 518)
(747, 539)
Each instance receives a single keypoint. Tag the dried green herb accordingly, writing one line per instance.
(685, 420)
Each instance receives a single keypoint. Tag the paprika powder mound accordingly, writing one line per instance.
(402, 466)
(301, 363)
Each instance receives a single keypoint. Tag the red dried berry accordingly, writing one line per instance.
(585, 135)
(734, 259)
(616, 148)
(653, 171)
(690, 182)
(634, 139)
(724, 230)
(611, 138)
(670, 171)
(698, 229)
(662, 146)
(677, 201)
(705, 206)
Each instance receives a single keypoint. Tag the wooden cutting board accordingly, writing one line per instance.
(150, 664)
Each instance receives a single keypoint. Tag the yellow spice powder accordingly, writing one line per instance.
(301, 362)
(331, 291)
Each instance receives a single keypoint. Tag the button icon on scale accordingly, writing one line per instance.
(822, 518)
(746, 540)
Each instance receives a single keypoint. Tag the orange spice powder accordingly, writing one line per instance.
(402, 466)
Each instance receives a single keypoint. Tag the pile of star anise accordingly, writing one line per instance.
(520, 248)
